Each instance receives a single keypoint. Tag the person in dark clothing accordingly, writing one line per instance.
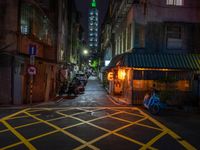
(154, 90)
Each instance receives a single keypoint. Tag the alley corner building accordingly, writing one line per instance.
(93, 24)
(39, 25)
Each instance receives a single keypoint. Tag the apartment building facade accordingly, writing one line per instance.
(47, 26)
(142, 30)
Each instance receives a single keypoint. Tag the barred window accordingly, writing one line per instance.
(174, 37)
(129, 40)
(124, 41)
(25, 19)
(34, 22)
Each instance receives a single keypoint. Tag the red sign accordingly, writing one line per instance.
(32, 70)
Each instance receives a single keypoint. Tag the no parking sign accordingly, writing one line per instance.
(31, 70)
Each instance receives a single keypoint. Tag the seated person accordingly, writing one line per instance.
(147, 97)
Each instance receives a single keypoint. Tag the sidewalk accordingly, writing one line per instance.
(118, 100)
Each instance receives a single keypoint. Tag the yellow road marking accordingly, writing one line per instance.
(124, 111)
(40, 136)
(140, 124)
(109, 132)
(34, 110)
(75, 113)
(134, 141)
(12, 145)
(18, 135)
(112, 100)
(132, 114)
(39, 109)
(113, 132)
(98, 118)
(14, 114)
(120, 119)
(166, 130)
(69, 108)
(148, 126)
(72, 116)
(61, 130)
(19, 117)
(4, 130)
(33, 123)
(170, 132)
(152, 141)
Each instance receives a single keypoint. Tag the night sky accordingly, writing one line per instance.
(83, 6)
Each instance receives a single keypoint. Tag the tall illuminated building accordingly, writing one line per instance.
(93, 25)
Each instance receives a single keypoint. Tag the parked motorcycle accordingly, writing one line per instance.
(75, 87)
(153, 103)
(63, 89)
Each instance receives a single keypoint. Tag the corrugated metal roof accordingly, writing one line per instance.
(157, 61)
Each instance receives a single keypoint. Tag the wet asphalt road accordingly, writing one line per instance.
(94, 96)
(92, 121)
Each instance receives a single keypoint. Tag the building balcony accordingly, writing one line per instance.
(122, 12)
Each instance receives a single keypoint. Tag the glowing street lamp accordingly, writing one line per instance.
(85, 51)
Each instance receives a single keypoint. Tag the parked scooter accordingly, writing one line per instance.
(153, 103)
(75, 87)
(63, 89)
(80, 84)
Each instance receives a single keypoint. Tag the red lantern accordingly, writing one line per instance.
(121, 74)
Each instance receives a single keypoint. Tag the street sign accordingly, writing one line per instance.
(32, 49)
(32, 70)
(110, 76)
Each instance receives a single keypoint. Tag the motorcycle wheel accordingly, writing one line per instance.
(155, 109)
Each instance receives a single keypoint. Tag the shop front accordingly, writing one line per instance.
(132, 75)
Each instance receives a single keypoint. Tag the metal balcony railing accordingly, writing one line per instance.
(122, 12)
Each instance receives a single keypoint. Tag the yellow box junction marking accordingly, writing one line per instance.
(109, 132)
(184, 143)
(62, 130)
(58, 110)
(23, 139)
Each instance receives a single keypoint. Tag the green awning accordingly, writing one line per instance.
(157, 61)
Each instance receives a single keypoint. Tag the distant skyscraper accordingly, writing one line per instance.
(93, 23)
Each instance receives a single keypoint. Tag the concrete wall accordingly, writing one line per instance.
(5, 79)
(155, 19)
(156, 39)
(158, 11)
(10, 24)
(8, 43)
(14, 80)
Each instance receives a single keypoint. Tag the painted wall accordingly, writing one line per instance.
(5, 79)
(155, 18)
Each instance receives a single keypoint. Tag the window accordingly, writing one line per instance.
(175, 2)
(129, 40)
(174, 37)
(25, 20)
(91, 45)
(121, 43)
(142, 37)
(124, 40)
(34, 22)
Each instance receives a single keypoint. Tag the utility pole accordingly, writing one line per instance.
(32, 69)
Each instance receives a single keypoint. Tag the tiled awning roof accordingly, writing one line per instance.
(157, 61)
